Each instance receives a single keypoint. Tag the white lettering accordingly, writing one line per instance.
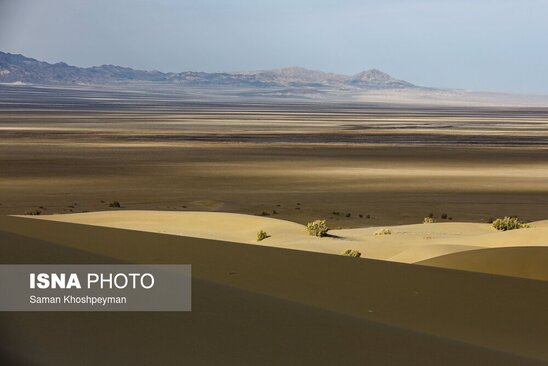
(54, 280)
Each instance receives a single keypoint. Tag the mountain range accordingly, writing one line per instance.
(18, 68)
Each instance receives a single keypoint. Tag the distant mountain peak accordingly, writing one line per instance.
(298, 76)
(376, 77)
(18, 68)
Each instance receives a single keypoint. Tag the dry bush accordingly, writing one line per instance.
(352, 253)
(261, 235)
(33, 212)
(383, 232)
(317, 228)
(509, 223)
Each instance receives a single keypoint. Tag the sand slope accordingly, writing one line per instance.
(527, 262)
(406, 244)
(208, 225)
(259, 305)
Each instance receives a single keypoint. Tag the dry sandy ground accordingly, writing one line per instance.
(260, 305)
(406, 243)
(393, 185)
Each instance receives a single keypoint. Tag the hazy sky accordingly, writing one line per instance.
(499, 45)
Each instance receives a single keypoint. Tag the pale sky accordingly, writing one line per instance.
(494, 45)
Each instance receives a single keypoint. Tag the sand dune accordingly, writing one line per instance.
(417, 253)
(527, 262)
(406, 244)
(241, 228)
(285, 306)
(208, 225)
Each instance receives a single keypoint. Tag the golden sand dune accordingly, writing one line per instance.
(527, 262)
(536, 235)
(406, 243)
(418, 253)
(207, 225)
(285, 234)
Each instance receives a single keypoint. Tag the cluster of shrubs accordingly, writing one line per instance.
(509, 223)
(115, 204)
(383, 232)
(317, 228)
(431, 218)
(338, 213)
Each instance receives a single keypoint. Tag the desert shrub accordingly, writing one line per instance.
(33, 212)
(352, 253)
(444, 216)
(509, 223)
(428, 220)
(431, 215)
(264, 213)
(317, 228)
(261, 235)
(115, 204)
(383, 232)
(348, 214)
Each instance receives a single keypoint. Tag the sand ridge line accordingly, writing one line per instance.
(406, 243)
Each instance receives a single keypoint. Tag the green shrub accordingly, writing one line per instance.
(317, 228)
(509, 223)
(115, 204)
(383, 232)
(261, 235)
(352, 253)
(428, 220)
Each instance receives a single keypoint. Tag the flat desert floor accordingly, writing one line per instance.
(357, 165)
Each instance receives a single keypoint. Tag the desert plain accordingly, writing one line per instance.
(75, 150)
(156, 176)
